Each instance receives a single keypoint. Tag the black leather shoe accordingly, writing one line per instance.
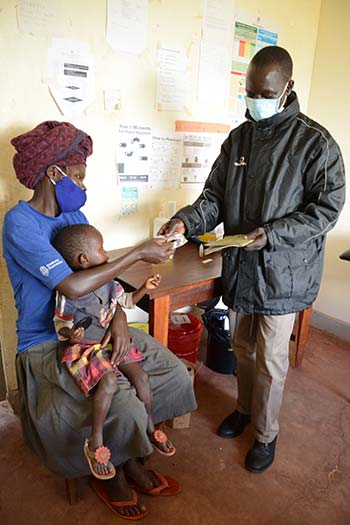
(233, 425)
(260, 456)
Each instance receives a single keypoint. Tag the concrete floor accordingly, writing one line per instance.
(308, 484)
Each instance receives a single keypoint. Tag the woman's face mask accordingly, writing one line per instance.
(261, 108)
(68, 195)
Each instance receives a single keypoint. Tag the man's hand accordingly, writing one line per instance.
(260, 240)
(156, 251)
(119, 333)
(172, 226)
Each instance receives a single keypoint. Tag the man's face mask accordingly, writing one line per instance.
(261, 108)
(68, 195)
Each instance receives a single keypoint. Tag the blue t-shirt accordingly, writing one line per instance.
(35, 268)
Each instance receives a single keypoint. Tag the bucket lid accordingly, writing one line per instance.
(184, 324)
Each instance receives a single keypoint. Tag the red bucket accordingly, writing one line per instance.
(184, 335)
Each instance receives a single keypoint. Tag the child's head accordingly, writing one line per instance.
(81, 245)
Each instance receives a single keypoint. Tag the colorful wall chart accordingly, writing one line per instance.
(244, 41)
(247, 40)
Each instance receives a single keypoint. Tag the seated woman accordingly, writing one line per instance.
(55, 414)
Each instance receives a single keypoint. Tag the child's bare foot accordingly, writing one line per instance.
(161, 442)
(98, 458)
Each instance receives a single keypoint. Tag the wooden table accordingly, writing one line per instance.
(187, 281)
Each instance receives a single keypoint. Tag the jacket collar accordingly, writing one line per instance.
(290, 111)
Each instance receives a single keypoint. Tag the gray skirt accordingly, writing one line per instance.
(56, 416)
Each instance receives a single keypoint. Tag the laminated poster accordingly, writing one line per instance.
(129, 200)
(248, 39)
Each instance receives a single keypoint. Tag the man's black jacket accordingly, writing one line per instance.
(285, 174)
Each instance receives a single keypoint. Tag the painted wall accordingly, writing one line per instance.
(25, 101)
(328, 104)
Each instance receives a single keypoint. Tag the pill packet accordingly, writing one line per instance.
(177, 239)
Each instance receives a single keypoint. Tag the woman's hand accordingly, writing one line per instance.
(173, 226)
(119, 333)
(156, 251)
(260, 240)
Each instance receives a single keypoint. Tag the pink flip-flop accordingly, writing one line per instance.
(114, 506)
(168, 486)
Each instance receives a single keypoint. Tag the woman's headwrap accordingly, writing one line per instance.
(51, 142)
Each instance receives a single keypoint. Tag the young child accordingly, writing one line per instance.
(84, 322)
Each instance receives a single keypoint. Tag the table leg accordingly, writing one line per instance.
(303, 324)
(159, 318)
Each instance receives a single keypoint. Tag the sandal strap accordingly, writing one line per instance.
(133, 501)
(164, 483)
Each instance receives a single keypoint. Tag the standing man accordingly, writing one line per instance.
(279, 179)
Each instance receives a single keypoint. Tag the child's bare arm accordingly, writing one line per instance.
(150, 284)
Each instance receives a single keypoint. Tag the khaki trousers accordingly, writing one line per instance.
(261, 345)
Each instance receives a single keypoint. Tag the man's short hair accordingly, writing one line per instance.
(274, 55)
(71, 240)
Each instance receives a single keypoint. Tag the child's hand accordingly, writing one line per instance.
(152, 282)
(76, 335)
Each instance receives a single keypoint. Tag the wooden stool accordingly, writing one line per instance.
(299, 336)
(72, 490)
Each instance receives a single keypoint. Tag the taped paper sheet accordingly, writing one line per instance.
(172, 80)
(217, 21)
(214, 74)
(127, 25)
(133, 152)
(201, 146)
(165, 161)
(39, 17)
(71, 75)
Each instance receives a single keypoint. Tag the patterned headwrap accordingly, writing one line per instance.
(49, 143)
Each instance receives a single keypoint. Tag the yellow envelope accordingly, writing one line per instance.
(238, 241)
